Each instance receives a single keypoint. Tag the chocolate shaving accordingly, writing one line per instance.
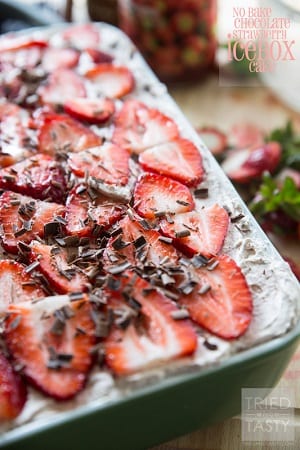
(160, 213)
(237, 218)
(19, 232)
(133, 302)
(74, 296)
(113, 283)
(102, 324)
(58, 360)
(32, 266)
(61, 220)
(180, 314)
(116, 232)
(15, 323)
(118, 268)
(187, 287)
(166, 279)
(204, 289)
(201, 193)
(209, 345)
(145, 224)
(130, 214)
(52, 229)
(199, 261)
(213, 265)
(58, 326)
(119, 244)
(182, 202)
(182, 233)
(140, 242)
(24, 248)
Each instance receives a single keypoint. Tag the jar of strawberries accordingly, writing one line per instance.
(177, 37)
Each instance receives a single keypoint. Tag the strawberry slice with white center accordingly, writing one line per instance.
(155, 195)
(111, 81)
(40, 177)
(63, 276)
(178, 159)
(13, 393)
(152, 336)
(245, 165)
(108, 163)
(214, 139)
(23, 218)
(201, 232)
(88, 216)
(81, 36)
(14, 134)
(62, 85)
(138, 127)
(60, 133)
(222, 301)
(59, 58)
(135, 244)
(246, 135)
(95, 111)
(16, 284)
(22, 53)
(52, 340)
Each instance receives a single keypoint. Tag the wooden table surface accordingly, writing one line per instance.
(210, 104)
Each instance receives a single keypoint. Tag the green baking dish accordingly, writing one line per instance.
(161, 412)
(179, 403)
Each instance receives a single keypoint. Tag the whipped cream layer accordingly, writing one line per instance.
(275, 291)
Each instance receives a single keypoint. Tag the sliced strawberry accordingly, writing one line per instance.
(221, 302)
(214, 139)
(137, 245)
(99, 57)
(12, 43)
(155, 194)
(138, 127)
(152, 336)
(39, 177)
(15, 139)
(59, 58)
(62, 85)
(178, 159)
(202, 232)
(87, 216)
(245, 165)
(65, 277)
(111, 81)
(81, 36)
(91, 111)
(21, 53)
(23, 218)
(107, 162)
(60, 133)
(52, 340)
(16, 284)
(246, 135)
(13, 393)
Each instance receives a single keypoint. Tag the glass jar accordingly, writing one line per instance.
(177, 38)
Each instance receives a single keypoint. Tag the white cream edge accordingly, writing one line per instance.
(276, 294)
